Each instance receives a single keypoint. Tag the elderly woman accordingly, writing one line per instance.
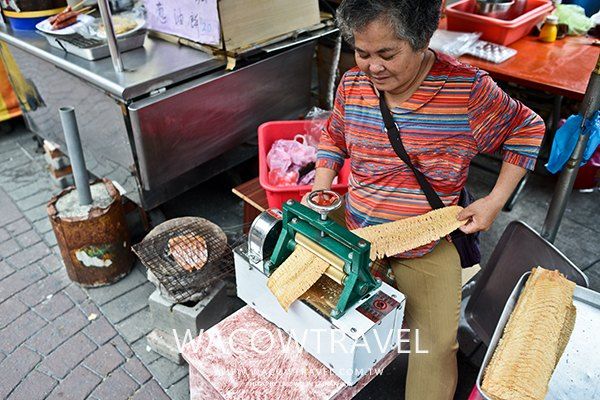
(446, 113)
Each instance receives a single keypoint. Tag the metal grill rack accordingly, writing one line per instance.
(205, 241)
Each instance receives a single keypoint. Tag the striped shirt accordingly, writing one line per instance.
(456, 113)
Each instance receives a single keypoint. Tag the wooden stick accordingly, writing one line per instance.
(73, 8)
(85, 10)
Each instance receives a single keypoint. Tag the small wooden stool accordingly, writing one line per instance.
(255, 200)
(247, 357)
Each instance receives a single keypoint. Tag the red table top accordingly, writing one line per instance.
(563, 67)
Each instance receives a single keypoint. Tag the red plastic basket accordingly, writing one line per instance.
(462, 18)
(268, 133)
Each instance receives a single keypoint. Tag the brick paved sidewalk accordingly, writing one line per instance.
(55, 342)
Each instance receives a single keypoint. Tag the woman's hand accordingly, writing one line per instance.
(480, 214)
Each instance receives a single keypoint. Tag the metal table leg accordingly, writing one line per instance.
(558, 204)
(556, 114)
(512, 200)
(546, 144)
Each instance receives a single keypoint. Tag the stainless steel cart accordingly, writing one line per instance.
(173, 118)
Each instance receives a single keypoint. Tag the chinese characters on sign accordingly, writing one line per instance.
(197, 20)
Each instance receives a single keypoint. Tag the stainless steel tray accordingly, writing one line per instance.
(92, 49)
(577, 375)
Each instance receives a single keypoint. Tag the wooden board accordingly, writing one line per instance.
(248, 22)
(251, 192)
(255, 201)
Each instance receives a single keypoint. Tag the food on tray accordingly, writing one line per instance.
(67, 17)
(406, 234)
(120, 25)
(302, 269)
(63, 19)
(534, 339)
(189, 251)
(61, 14)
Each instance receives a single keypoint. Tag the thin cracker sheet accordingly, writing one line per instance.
(407, 234)
(533, 340)
(295, 276)
(302, 269)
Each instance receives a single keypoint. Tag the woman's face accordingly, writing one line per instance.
(390, 62)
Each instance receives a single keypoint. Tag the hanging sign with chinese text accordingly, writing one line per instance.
(196, 20)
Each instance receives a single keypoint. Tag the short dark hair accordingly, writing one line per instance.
(412, 20)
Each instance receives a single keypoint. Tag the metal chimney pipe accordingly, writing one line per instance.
(113, 47)
(82, 180)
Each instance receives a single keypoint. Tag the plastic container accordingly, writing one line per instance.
(27, 20)
(35, 5)
(461, 17)
(549, 29)
(268, 133)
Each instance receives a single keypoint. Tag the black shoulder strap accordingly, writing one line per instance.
(394, 137)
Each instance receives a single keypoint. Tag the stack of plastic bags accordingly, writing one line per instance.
(291, 162)
(574, 16)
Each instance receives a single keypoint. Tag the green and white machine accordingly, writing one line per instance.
(348, 320)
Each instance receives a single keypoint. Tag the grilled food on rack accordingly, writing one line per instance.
(302, 269)
(189, 251)
(534, 339)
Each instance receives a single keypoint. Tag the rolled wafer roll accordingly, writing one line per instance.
(533, 340)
